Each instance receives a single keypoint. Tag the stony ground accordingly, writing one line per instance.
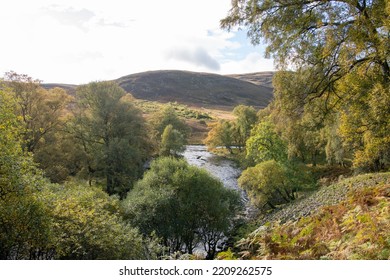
(324, 196)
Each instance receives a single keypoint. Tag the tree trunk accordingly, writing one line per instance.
(314, 158)
(271, 205)
(281, 194)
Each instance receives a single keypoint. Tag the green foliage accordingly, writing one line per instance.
(226, 255)
(300, 125)
(364, 124)
(172, 142)
(87, 225)
(270, 183)
(246, 119)
(183, 205)
(183, 111)
(265, 144)
(233, 133)
(24, 225)
(170, 131)
(112, 134)
(334, 34)
(168, 116)
(39, 220)
(43, 114)
(60, 156)
(337, 98)
(42, 111)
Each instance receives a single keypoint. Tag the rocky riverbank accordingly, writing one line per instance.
(324, 196)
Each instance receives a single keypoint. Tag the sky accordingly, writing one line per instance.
(79, 41)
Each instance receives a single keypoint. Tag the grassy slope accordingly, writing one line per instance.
(198, 119)
(258, 78)
(202, 90)
(346, 220)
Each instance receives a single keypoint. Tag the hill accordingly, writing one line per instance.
(258, 78)
(196, 89)
(70, 89)
(202, 90)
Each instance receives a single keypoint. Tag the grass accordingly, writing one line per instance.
(195, 89)
(198, 119)
(150, 107)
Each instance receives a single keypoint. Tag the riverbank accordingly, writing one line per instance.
(346, 220)
(324, 196)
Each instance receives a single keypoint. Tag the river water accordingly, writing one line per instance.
(223, 169)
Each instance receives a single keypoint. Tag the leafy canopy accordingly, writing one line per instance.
(183, 205)
(340, 53)
(336, 35)
(112, 134)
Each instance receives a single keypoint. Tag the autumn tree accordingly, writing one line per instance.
(271, 183)
(44, 114)
(222, 134)
(233, 133)
(42, 111)
(339, 51)
(337, 36)
(112, 134)
(40, 220)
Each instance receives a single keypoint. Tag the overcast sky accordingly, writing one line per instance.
(78, 41)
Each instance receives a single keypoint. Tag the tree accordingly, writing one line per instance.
(364, 125)
(166, 117)
(112, 133)
(338, 35)
(60, 156)
(44, 114)
(42, 111)
(340, 54)
(300, 125)
(24, 224)
(246, 119)
(183, 205)
(222, 134)
(40, 220)
(172, 142)
(265, 144)
(270, 183)
(233, 133)
(88, 225)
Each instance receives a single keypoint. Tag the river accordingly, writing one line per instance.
(223, 169)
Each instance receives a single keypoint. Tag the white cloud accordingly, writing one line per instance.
(197, 57)
(76, 41)
(71, 16)
(253, 62)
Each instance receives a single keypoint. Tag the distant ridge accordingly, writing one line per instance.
(258, 78)
(195, 89)
(71, 89)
